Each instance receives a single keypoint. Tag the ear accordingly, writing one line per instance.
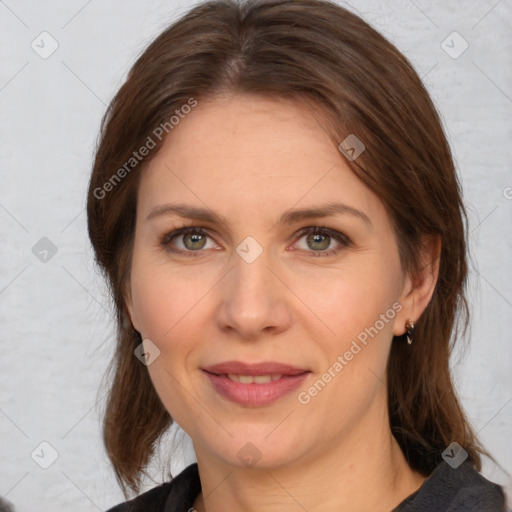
(420, 284)
(127, 295)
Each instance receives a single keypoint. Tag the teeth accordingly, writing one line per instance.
(257, 379)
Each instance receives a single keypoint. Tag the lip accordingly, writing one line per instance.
(264, 368)
(253, 394)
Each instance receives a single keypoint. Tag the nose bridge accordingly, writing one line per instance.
(251, 276)
(252, 298)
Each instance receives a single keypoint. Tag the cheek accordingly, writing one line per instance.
(354, 355)
(152, 307)
(358, 304)
(162, 297)
(164, 305)
(351, 300)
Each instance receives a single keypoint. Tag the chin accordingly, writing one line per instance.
(255, 448)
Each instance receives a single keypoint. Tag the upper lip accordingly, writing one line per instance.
(265, 368)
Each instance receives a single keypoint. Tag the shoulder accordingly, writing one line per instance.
(174, 496)
(153, 499)
(460, 489)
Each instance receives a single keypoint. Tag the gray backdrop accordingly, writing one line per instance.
(62, 61)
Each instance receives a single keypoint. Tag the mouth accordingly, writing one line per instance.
(253, 379)
(254, 369)
(254, 385)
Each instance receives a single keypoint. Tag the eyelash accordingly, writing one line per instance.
(342, 239)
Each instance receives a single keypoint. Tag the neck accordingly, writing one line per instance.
(364, 472)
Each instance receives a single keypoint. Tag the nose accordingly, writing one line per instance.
(254, 302)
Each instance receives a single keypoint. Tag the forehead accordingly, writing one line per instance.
(248, 129)
(246, 153)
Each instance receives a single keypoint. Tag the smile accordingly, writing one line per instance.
(256, 379)
(254, 385)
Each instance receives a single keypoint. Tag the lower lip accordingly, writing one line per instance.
(255, 395)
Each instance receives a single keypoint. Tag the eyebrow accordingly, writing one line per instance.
(289, 217)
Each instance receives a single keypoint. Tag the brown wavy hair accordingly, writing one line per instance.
(334, 64)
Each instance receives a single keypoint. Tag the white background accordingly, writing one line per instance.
(55, 327)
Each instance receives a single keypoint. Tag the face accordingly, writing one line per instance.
(258, 254)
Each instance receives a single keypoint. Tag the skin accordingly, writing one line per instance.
(250, 160)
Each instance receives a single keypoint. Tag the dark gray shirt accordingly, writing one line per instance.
(445, 490)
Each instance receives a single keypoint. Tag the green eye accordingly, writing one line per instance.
(313, 241)
(187, 241)
(194, 241)
(320, 241)
(317, 241)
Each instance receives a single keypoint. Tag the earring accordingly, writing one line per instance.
(409, 325)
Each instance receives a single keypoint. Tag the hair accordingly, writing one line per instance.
(327, 60)
(5, 506)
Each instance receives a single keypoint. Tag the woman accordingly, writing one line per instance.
(275, 206)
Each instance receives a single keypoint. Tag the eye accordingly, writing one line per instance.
(315, 240)
(321, 241)
(186, 241)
